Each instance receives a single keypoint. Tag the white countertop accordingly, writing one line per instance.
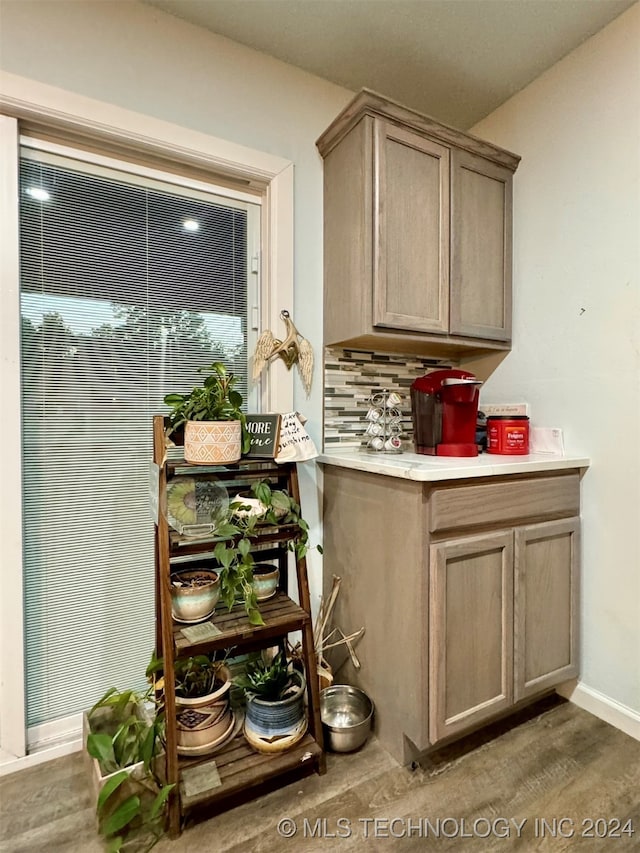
(413, 466)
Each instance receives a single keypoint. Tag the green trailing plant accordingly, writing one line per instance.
(282, 509)
(130, 806)
(233, 551)
(215, 400)
(266, 680)
(236, 574)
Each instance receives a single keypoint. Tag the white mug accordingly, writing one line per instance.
(393, 443)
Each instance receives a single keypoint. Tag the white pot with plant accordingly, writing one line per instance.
(215, 429)
(203, 713)
(124, 741)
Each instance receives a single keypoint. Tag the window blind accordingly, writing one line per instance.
(126, 289)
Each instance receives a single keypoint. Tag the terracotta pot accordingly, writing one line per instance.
(212, 442)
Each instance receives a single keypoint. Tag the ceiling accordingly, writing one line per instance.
(455, 60)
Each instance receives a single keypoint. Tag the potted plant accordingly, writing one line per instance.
(274, 507)
(266, 578)
(215, 428)
(194, 593)
(124, 740)
(275, 712)
(203, 713)
(267, 508)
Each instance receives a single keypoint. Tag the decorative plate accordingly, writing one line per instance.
(195, 507)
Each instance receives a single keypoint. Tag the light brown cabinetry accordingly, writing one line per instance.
(546, 599)
(417, 233)
(503, 614)
(411, 231)
(470, 632)
(468, 591)
(481, 238)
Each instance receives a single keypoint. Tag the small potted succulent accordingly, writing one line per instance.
(215, 430)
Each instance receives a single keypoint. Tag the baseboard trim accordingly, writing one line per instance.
(603, 707)
(45, 742)
(54, 733)
(11, 764)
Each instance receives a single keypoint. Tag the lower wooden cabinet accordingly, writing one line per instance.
(502, 621)
(470, 606)
(470, 632)
(546, 595)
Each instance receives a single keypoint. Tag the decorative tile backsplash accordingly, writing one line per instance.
(351, 376)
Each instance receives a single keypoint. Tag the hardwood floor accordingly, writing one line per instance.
(561, 763)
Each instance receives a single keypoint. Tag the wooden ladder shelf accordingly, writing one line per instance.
(236, 772)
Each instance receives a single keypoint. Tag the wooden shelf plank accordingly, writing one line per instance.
(241, 769)
(185, 545)
(250, 468)
(281, 616)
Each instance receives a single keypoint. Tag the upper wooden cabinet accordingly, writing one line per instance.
(417, 233)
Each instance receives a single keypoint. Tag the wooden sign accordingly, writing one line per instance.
(265, 432)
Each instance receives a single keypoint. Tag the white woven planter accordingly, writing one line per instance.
(212, 442)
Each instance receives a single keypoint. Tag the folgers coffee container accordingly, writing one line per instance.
(508, 435)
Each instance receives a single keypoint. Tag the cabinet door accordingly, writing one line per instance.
(481, 211)
(470, 632)
(411, 231)
(546, 605)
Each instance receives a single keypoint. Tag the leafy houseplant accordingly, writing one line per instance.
(275, 714)
(267, 681)
(199, 676)
(203, 713)
(233, 552)
(125, 740)
(215, 402)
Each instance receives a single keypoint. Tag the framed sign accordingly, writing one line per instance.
(265, 434)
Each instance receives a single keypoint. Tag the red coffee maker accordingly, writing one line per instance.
(444, 408)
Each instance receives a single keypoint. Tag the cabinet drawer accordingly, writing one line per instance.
(504, 501)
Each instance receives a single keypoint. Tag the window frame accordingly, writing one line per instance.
(32, 108)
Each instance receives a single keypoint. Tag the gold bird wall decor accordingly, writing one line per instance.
(294, 349)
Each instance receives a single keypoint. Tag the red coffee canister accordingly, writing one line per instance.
(508, 434)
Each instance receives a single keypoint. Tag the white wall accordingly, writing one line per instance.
(142, 59)
(576, 355)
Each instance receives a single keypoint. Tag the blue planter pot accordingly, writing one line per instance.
(277, 719)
